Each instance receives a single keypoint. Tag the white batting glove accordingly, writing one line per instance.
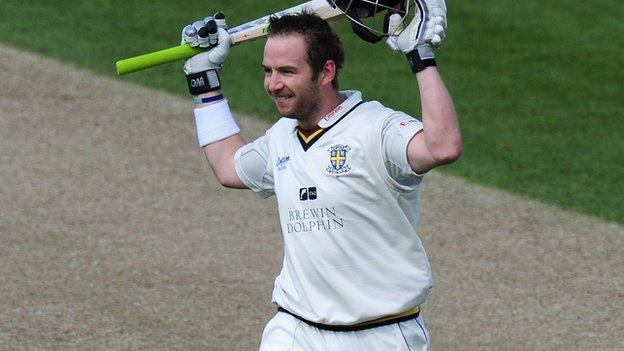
(211, 32)
(424, 33)
(202, 69)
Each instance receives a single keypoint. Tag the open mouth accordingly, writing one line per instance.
(282, 100)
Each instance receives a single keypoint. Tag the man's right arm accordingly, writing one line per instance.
(217, 132)
(220, 156)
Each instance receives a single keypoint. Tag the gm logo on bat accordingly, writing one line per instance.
(307, 194)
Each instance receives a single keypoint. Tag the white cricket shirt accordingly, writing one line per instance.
(348, 208)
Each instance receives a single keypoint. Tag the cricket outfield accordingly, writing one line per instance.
(114, 235)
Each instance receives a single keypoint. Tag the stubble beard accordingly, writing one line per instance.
(307, 107)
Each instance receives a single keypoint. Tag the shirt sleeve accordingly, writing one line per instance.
(397, 132)
(253, 167)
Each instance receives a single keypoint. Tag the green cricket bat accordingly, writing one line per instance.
(248, 31)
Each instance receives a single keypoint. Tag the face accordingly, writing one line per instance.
(288, 78)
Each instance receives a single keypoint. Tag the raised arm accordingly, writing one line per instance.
(217, 132)
(440, 140)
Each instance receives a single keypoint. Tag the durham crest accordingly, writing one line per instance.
(338, 159)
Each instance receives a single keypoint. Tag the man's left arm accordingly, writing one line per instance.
(439, 142)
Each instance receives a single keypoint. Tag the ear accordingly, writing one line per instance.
(328, 73)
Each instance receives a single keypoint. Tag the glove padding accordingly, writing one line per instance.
(210, 33)
(424, 33)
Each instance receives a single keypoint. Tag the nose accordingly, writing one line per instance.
(273, 82)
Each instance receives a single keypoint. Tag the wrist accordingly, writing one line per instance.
(214, 123)
(203, 82)
(425, 51)
(417, 63)
(208, 98)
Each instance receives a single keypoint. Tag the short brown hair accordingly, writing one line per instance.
(323, 43)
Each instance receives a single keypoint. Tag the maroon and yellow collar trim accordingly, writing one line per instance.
(308, 137)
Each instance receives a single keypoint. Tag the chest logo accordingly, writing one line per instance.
(338, 162)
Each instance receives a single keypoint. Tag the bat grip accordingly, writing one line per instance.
(156, 58)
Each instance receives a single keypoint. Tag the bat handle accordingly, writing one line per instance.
(156, 58)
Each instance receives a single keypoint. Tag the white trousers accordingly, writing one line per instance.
(287, 333)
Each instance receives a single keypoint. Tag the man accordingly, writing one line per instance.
(347, 177)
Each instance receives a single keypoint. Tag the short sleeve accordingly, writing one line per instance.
(397, 132)
(252, 164)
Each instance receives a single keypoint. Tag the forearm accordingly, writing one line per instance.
(219, 136)
(441, 129)
(220, 156)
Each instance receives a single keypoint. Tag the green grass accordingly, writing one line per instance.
(538, 85)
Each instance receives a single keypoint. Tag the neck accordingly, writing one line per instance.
(328, 102)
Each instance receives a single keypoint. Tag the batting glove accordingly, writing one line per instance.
(421, 36)
(202, 69)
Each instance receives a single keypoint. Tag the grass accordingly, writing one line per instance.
(538, 85)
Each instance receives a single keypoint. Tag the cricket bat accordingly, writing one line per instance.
(247, 31)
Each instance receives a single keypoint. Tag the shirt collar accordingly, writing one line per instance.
(352, 98)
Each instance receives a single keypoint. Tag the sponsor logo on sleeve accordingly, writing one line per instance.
(407, 122)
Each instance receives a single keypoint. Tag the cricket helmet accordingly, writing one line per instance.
(365, 15)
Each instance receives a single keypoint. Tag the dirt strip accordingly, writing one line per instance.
(115, 236)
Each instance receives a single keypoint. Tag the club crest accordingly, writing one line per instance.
(338, 159)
